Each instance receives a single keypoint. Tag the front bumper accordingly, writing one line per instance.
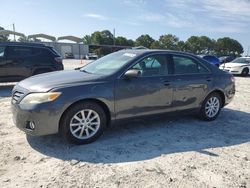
(44, 116)
(229, 96)
(232, 70)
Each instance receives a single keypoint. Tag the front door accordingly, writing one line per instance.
(149, 93)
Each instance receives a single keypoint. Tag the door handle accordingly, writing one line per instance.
(166, 82)
(209, 78)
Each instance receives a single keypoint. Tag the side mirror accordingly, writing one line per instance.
(132, 73)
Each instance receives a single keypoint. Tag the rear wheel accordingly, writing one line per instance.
(211, 107)
(83, 123)
(245, 72)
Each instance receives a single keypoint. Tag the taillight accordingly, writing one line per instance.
(58, 59)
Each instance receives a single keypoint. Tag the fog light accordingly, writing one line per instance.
(30, 125)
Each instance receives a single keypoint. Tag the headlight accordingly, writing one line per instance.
(37, 98)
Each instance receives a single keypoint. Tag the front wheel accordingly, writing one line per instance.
(211, 107)
(245, 72)
(83, 123)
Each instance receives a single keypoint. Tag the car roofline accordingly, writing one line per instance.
(22, 44)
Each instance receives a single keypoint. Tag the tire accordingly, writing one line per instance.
(208, 112)
(83, 130)
(245, 72)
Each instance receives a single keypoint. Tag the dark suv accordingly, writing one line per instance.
(20, 60)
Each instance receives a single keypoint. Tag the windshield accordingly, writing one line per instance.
(109, 64)
(241, 60)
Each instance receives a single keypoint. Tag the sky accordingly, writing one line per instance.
(130, 18)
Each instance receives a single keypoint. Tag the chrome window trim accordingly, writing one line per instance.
(169, 54)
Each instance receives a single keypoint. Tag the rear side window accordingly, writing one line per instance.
(2, 51)
(186, 65)
(46, 55)
(36, 51)
(54, 52)
(19, 52)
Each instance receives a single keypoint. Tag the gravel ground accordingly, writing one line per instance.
(162, 152)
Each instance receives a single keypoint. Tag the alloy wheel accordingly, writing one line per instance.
(212, 107)
(85, 124)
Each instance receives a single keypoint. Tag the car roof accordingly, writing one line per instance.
(36, 44)
(149, 51)
(207, 55)
(243, 57)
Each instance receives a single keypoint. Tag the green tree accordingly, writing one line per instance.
(96, 37)
(144, 40)
(194, 44)
(169, 42)
(206, 45)
(3, 38)
(181, 46)
(201, 45)
(104, 37)
(156, 45)
(87, 39)
(131, 43)
(107, 37)
(228, 46)
(121, 41)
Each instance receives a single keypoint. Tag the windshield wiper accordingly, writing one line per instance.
(82, 70)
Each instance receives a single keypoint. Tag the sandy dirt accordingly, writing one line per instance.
(162, 152)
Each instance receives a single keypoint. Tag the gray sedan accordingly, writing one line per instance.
(80, 104)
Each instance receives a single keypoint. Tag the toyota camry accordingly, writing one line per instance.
(80, 104)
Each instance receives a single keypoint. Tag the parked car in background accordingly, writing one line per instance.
(211, 59)
(239, 66)
(226, 59)
(81, 103)
(20, 60)
(91, 56)
(69, 55)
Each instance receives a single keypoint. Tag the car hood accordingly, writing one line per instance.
(48, 81)
(233, 65)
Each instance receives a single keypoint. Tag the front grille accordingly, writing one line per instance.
(17, 96)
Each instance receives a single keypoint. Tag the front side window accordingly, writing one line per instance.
(153, 66)
(186, 65)
(2, 51)
(241, 60)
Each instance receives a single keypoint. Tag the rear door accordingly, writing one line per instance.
(19, 61)
(3, 62)
(192, 82)
(150, 93)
